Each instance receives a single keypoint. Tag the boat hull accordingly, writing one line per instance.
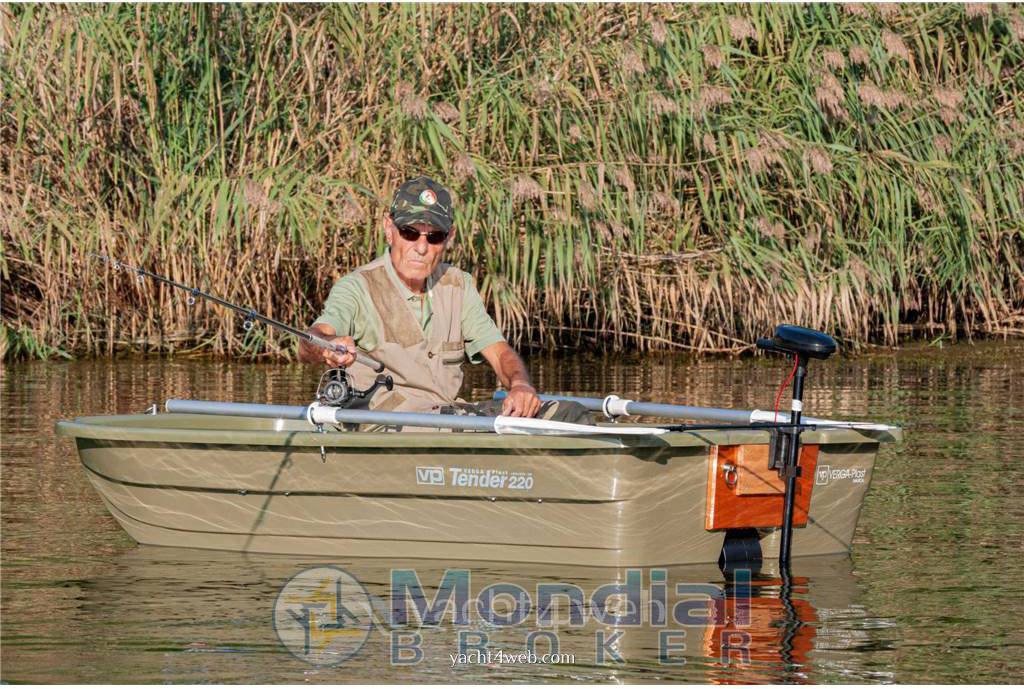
(251, 485)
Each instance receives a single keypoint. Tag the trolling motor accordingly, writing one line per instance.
(335, 390)
(802, 344)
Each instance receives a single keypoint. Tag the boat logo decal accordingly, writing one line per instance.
(824, 474)
(475, 477)
(821, 475)
(430, 476)
(323, 615)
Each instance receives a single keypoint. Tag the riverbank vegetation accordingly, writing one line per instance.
(646, 176)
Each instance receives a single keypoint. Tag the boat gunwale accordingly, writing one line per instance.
(129, 427)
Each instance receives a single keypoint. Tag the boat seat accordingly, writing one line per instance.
(792, 339)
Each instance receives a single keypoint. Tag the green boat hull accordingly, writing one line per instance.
(272, 486)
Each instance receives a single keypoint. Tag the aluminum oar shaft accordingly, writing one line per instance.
(261, 411)
(330, 415)
(322, 414)
(613, 406)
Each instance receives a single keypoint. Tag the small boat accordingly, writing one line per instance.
(276, 485)
(307, 480)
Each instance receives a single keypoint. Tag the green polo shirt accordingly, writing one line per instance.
(350, 311)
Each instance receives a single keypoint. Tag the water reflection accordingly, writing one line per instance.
(932, 593)
(159, 614)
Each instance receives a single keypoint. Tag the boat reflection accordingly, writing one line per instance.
(211, 614)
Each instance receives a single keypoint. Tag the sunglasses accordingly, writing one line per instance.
(411, 234)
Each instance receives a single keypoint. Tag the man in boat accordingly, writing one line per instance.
(421, 318)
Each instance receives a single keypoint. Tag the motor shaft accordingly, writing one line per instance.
(791, 466)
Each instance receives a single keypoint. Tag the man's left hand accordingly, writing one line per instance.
(521, 401)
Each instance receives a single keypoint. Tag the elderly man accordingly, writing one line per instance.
(421, 318)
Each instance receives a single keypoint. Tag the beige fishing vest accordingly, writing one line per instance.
(427, 370)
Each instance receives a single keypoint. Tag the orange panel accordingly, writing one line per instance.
(728, 508)
(753, 475)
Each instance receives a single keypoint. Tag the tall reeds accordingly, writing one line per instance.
(651, 176)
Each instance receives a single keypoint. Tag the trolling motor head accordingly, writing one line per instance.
(796, 341)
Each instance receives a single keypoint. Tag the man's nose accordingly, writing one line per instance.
(421, 245)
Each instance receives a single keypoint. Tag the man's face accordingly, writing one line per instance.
(414, 261)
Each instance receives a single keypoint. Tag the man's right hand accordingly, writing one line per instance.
(339, 359)
(314, 354)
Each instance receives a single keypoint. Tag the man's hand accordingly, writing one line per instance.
(522, 398)
(314, 354)
(521, 401)
(338, 359)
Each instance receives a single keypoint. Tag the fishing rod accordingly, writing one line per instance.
(250, 315)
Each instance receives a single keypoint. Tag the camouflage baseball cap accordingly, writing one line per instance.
(423, 200)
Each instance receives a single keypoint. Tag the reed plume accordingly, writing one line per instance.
(654, 176)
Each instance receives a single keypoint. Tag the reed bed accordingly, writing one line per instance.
(625, 176)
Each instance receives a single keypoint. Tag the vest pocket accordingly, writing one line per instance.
(453, 353)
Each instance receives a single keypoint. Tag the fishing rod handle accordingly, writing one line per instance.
(372, 363)
(361, 358)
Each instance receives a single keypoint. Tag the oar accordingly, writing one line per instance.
(321, 414)
(613, 406)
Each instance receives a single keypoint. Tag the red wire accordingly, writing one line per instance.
(783, 387)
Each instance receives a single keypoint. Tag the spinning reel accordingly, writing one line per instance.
(335, 390)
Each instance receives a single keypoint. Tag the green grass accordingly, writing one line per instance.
(644, 176)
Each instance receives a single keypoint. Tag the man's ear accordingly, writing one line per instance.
(389, 230)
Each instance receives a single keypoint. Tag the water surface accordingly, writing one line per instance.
(932, 592)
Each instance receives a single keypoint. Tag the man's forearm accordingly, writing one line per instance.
(512, 369)
(310, 353)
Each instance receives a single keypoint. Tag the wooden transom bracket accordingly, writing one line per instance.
(744, 493)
